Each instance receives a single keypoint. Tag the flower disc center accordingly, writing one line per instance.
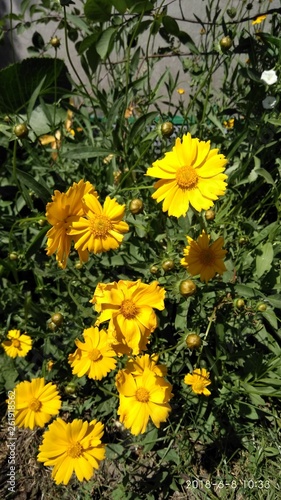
(186, 178)
(35, 404)
(207, 257)
(128, 309)
(94, 355)
(142, 395)
(75, 450)
(100, 226)
(16, 343)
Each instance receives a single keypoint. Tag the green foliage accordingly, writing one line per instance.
(105, 127)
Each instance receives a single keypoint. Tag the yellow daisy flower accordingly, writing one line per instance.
(61, 212)
(94, 357)
(204, 259)
(128, 306)
(72, 447)
(180, 91)
(137, 365)
(259, 20)
(199, 380)
(36, 403)
(102, 229)
(141, 398)
(17, 345)
(189, 174)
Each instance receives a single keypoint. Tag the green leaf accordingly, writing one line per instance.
(169, 456)
(264, 261)
(275, 300)
(39, 189)
(270, 316)
(79, 152)
(140, 124)
(120, 5)
(114, 450)
(245, 291)
(266, 175)
(98, 11)
(21, 80)
(171, 25)
(105, 44)
(36, 243)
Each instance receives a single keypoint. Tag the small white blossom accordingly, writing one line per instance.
(269, 102)
(269, 77)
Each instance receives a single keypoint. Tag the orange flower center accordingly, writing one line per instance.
(16, 343)
(186, 178)
(100, 225)
(128, 309)
(207, 257)
(35, 404)
(94, 355)
(75, 450)
(142, 395)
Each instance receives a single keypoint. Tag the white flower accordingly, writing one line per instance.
(269, 77)
(269, 102)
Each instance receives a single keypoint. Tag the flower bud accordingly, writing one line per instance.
(136, 206)
(167, 128)
(57, 319)
(154, 269)
(261, 306)
(55, 42)
(210, 214)
(21, 130)
(187, 288)
(225, 43)
(193, 341)
(13, 256)
(239, 303)
(168, 265)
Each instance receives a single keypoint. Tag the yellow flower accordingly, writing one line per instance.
(102, 229)
(95, 357)
(128, 306)
(199, 380)
(61, 212)
(72, 447)
(17, 345)
(189, 174)
(229, 124)
(180, 91)
(137, 365)
(142, 397)
(36, 403)
(50, 365)
(54, 141)
(204, 259)
(259, 20)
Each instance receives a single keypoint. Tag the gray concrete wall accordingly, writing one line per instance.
(189, 8)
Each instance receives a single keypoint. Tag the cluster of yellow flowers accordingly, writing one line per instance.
(77, 216)
(69, 447)
(190, 175)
